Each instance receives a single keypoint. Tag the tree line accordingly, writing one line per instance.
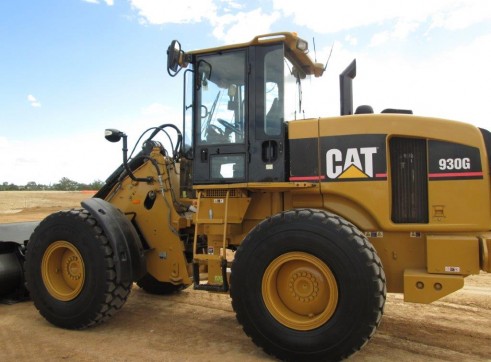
(65, 184)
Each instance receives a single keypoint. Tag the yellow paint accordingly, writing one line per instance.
(422, 287)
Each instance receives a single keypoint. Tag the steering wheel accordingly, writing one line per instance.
(217, 130)
(229, 126)
(215, 134)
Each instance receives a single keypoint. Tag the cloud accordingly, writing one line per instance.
(48, 165)
(443, 85)
(401, 30)
(344, 15)
(243, 26)
(94, 161)
(33, 101)
(183, 11)
(454, 83)
(228, 18)
(232, 23)
(462, 14)
(380, 38)
(403, 18)
(351, 40)
(150, 116)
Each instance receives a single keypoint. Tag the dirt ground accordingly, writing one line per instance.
(192, 325)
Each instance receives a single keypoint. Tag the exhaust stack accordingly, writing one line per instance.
(346, 88)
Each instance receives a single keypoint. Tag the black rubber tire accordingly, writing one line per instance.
(344, 250)
(151, 285)
(100, 295)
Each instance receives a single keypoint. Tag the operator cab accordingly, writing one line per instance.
(234, 106)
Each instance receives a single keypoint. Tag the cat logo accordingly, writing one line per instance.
(355, 163)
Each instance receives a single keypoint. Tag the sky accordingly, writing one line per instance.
(69, 69)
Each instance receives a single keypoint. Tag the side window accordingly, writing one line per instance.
(292, 93)
(188, 113)
(273, 89)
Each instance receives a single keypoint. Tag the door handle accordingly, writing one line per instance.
(204, 155)
(269, 151)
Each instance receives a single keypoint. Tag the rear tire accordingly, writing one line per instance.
(151, 285)
(70, 271)
(307, 285)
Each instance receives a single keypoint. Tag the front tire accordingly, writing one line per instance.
(70, 271)
(307, 285)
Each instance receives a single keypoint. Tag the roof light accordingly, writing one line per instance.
(302, 45)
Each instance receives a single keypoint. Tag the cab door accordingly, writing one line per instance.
(266, 127)
(221, 90)
(239, 128)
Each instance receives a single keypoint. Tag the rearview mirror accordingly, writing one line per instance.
(173, 54)
(204, 72)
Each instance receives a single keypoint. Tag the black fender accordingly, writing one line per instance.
(129, 257)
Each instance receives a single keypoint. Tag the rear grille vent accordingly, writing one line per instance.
(222, 193)
(409, 180)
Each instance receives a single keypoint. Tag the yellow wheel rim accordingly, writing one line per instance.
(63, 271)
(300, 291)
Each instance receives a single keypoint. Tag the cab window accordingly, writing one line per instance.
(221, 98)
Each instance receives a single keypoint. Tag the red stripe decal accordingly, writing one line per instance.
(307, 178)
(455, 174)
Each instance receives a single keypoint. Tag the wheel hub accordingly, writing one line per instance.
(300, 291)
(63, 271)
(73, 268)
(303, 287)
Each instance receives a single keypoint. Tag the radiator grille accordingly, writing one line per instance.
(409, 180)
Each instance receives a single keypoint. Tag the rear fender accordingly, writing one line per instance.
(128, 250)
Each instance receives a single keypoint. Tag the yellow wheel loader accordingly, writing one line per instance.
(307, 223)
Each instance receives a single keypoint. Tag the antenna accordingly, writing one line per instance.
(315, 52)
(330, 53)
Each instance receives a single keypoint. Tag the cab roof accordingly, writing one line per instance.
(297, 50)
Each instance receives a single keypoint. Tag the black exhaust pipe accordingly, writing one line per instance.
(346, 88)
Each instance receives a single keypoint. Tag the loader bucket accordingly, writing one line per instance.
(12, 287)
(13, 238)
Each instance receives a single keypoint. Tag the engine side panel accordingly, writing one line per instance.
(368, 162)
